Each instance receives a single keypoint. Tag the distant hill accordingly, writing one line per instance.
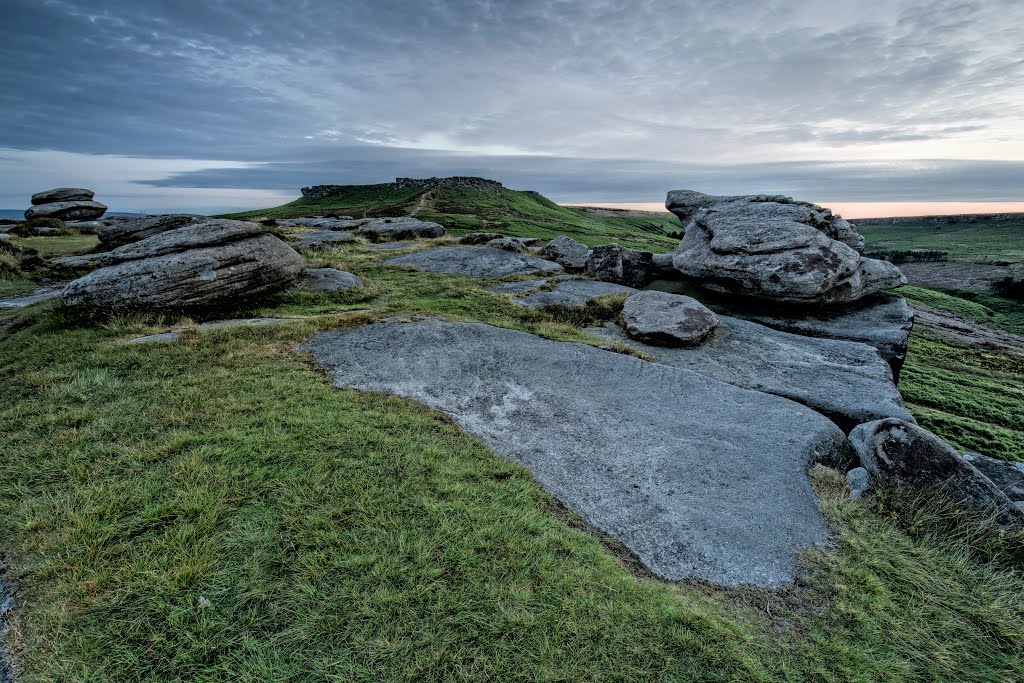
(983, 237)
(476, 204)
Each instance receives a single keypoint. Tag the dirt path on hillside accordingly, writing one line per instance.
(421, 203)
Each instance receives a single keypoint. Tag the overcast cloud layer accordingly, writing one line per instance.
(583, 100)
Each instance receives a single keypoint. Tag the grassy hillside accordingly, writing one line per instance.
(214, 510)
(509, 212)
(968, 241)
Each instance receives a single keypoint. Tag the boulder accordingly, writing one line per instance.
(475, 238)
(62, 194)
(567, 252)
(67, 211)
(618, 264)
(858, 482)
(195, 267)
(667, 319)
(685, 487)
(776, 248)
(1007, 475)
(520, 244)
(319, 240)
(899, 455)
(325, 280)
(482, 262)
(401, 228)
(119, 230)
(573, 293)
(845, 381)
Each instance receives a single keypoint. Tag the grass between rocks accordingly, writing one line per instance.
(212, 509)
(967, 241)
(988, 309)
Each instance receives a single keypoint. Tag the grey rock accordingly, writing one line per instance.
(845, 381)
(475, 238)
(1007, 475)
(34, 297)
(858, 482)
(199, 274)
(119, 230)
(573, 293)
(883, 321)
(677, 481)
(904, 456)
(5, 236)
(326, 280)
(338, 223)
(67, 211)
(319, 240)
(667, 319)
(621, 265)
(79, 262)
(482, 262)
(160, 338)
(567, 252)
(212, 325)
(777, 249)
(392, 246)
(520, 244)
(517, 287)
(62, 194)
(93, 227)
(663, 268)
(400, 228)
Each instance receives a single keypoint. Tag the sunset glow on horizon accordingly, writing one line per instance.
(865, 209)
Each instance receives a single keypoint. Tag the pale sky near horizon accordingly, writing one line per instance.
(221, 104)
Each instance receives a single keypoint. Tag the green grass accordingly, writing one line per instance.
(991, 310)
(978, 241)
(53, 246)
(353, 536)
(969, 397)
(510, 212)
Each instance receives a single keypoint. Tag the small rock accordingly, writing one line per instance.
(319, 240)
(573, 293)
(900, 455)
(41, 294)
(401, 228)
(858, 482)
(517, 287)
(520, 244)
(567, 252)
(325, 280)
(202, 603)
(475, 238)
(667, 319)
(62, 194)
(618, 264)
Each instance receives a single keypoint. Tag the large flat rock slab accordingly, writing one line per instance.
(482, 262)
(33, 297)
(846, 381)
(698, 478)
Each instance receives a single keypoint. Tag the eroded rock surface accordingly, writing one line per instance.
(120, 230)
(775, 248)
(319, 240)
(621, 265)
(667, 319)
(482, 262)
(567, 252)
(846, 381)
(62, 194)
(571, 293)
(621, 441)
(327, 280)
(67, 211)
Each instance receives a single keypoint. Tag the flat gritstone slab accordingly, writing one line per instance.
(697, 477)
(482, 262)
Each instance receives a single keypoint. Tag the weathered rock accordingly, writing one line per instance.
(621, 265)
(326, 280)
(845, 381)
(517, 287)
(667, 319)
(677, 481)
(319, 240)
(119, 230)
(34, 297)
(194, 267)
(904, 456)
(327, 223)
(858, 482)
(482, 262)
(67, 211)
(573, 293)
(92, 227)
(663, 268)
(776, 248)
(212, 325)
(62, 194)
(401, 228)
(567, 252)
(475, 238)
(883, 321)
(392, 246)
(78, 264)
(1007, 476)
(520, 244)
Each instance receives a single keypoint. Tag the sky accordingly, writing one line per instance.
(185, 105)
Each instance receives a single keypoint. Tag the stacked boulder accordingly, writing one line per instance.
(196, 266)
(66, 204)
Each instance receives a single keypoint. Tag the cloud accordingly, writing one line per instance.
(607, 87)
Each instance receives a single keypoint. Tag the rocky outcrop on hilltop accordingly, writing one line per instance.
(774, 247)
(322, 191)
(66, 204)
